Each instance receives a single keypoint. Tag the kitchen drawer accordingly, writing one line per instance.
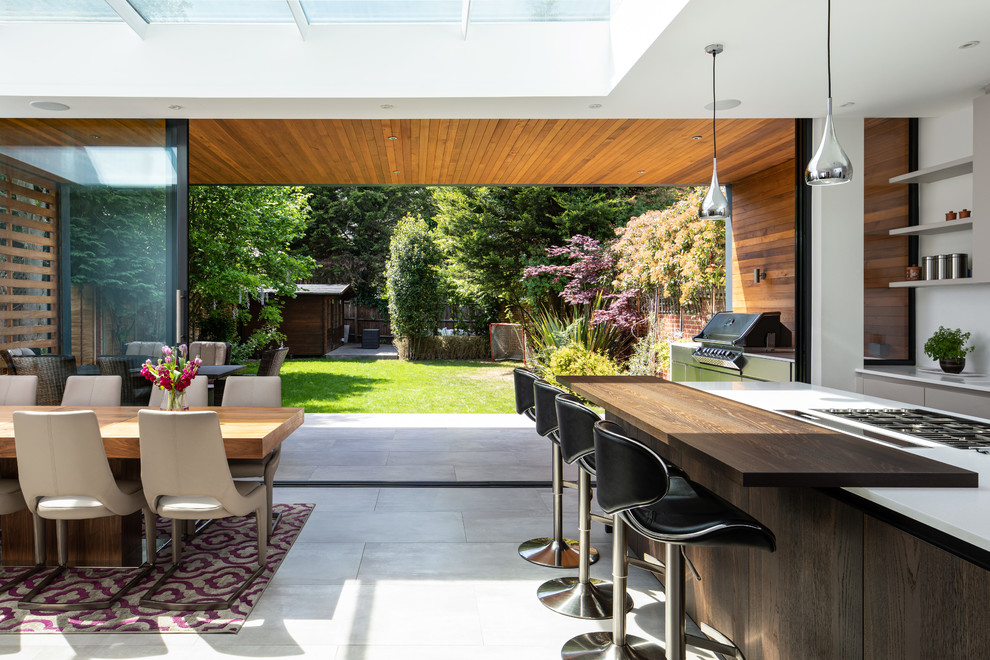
(775, 371)
(904, 392)
(959, 401)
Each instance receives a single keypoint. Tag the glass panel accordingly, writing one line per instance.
(213, 11)
(449, 11)
(97, 11)
(85, 206)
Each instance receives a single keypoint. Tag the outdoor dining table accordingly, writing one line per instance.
(116, 540)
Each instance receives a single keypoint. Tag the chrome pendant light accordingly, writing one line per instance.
(830, 165)
(714, 206)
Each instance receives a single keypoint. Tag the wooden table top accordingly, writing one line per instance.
(247, 432)
(756, 447)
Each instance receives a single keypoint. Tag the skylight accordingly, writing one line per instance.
(90, 11)
(318, 12)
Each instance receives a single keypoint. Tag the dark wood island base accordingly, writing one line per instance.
(843, 583)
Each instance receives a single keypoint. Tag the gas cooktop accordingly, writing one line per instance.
(935, 427)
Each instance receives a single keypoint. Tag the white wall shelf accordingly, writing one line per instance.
(947, 170)
(930, 228)
(919, 284)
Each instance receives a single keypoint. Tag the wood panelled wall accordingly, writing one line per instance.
(885, 206)
(28, 260)
(763, 237)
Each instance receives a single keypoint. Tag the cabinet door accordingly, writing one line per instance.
(958, 401)
(901, 391)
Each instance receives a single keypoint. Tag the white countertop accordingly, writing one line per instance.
(960, 512)
(978, 382)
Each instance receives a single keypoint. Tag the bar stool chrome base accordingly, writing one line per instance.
(599, 646)
(581, 600)
(548, 552)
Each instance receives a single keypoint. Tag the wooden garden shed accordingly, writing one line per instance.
(313, 321)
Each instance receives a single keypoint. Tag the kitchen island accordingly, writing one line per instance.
(862, 570)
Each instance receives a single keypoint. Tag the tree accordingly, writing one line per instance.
(490, 234)
(239, 248)
(415, 282)
(349, 232)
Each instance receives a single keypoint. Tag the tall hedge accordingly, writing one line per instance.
(414, 280)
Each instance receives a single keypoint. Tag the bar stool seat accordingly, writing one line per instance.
(636, 486)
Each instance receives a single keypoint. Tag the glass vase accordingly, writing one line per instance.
(174, 400)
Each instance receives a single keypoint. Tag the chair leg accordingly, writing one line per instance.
(673, 609)
(581, 597)
(177, 526)
(263, 518)
(150, 536)
(555, 551)
(62, 541)
(270, 468)
(616, 645)
(40, 551)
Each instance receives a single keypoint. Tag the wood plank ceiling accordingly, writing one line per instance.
(482, 151)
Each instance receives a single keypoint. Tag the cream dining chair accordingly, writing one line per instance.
(256, 391)
(197, 394)
(185, 476)
(92, 391)
(64, 475)
(18, 390)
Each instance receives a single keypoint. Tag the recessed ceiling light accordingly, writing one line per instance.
(49, 105)
(396, 171)
(96, 137)
(392, 137)
(386, 106)
(175, 106)
(848, 104)
(695, 137)
(594, 106)
(640, 171)
(970, 44)
(724, 104)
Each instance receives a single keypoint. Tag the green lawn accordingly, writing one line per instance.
(394, 386)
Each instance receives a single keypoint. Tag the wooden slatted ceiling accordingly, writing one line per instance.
(83, 132)
(28, 260)
(482, 151)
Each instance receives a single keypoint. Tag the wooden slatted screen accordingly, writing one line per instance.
(28, 261)
(886, 320)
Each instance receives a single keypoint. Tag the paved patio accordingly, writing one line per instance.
(354, 351)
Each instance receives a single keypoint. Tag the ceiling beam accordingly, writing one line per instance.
(300, 17)
(130, 16)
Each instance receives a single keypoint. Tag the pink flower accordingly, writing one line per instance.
(167, 350)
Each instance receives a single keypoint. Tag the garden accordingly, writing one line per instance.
(601, 279)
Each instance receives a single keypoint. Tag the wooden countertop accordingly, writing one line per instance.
(247, 432)
(755, 447)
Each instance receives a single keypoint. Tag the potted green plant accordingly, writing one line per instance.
(949, 348)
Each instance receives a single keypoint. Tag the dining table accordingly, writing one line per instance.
(248, 432)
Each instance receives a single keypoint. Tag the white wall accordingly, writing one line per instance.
(837, 268)
(943, 139)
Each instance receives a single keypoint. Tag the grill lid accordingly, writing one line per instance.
(746, 330)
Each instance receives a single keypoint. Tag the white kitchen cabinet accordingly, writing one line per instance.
(910, 386)
(904, 392)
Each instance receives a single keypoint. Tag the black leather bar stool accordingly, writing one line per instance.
(581, 596)
(522, 382)
(555, 551)
(636, 487)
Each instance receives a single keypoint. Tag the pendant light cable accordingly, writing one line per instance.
(828, 44)
(714, 139)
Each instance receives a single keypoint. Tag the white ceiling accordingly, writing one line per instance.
(889, 57)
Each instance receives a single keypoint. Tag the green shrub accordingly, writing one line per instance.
(575, 360)
(414, 280)
(547, 331)
(454, 347)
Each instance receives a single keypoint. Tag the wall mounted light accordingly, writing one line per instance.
(759, 275)
(714, 206)
(830, 165)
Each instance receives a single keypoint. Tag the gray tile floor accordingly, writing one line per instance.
(396, 573)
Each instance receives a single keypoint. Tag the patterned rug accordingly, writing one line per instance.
(214, 564)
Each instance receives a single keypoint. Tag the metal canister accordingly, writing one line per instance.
(929, 268)
(959, 266)
(945, 266)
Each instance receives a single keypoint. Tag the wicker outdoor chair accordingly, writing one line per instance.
(271, 361)
(135, 389)
(51, 370)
